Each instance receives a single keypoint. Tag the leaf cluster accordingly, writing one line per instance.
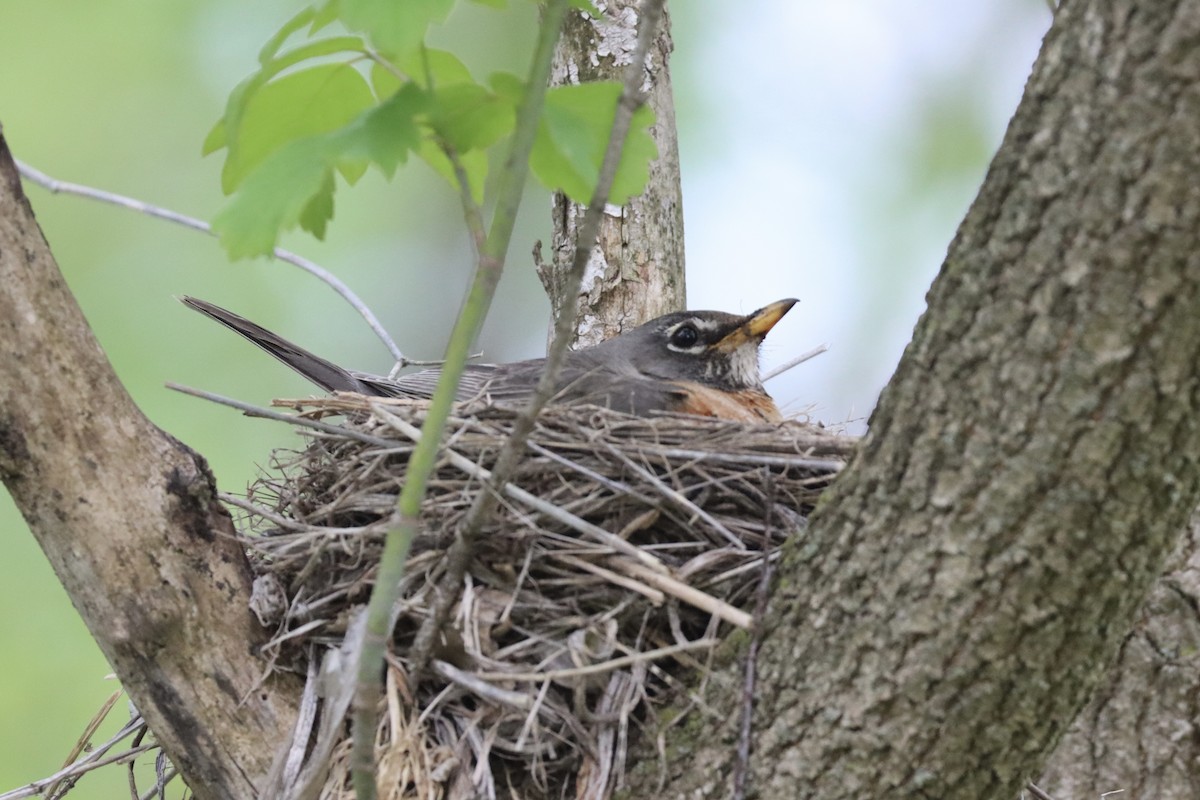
(349, 85)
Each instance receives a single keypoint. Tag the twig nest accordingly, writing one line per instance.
(622, 551)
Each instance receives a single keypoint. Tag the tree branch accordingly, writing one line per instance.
(129, 520)
(56, 186)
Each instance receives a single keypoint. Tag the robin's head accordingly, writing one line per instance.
(710, 347)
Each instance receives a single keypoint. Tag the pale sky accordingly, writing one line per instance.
(816, 109)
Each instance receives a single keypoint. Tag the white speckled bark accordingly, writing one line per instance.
(637, 269)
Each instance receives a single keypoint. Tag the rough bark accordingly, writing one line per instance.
(129, 520)
(1138, 734)
(1028, 468)
(636, 271)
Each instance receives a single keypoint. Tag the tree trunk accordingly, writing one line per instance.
(128, 518)
(1027, 470)
(636, 271)
(1138, 734)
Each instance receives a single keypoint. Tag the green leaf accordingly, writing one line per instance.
(443, 66)
(385, 82)
(468, 116)
(586, 7)
(386, 134)
(395, 27)
(573, 134)
(501, 4)
(315, 100)
(291, 26)
(508, 86)
(353, 168)
(325, 15)
(235, 106)
(474, 163)
(295, 184)
(275, 196)
(319, 210)
(215, 139)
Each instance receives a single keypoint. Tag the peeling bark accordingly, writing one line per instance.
(637, 268)
(128, 518)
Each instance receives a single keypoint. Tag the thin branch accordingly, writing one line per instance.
(477, 685)
(817, 464)
(56, 186)
(397, 73)
(251, 410)
(688, 594)
(92, 761)
(471, 211)
(800, 359)
(288, 524)
(653, 595)
(1037, 791)
(677, 498)
(157, 789)
(289, 761)
(84, 741)
(510, 187)
(510, 455)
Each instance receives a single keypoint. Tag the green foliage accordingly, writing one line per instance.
(586, 7)
(311, 101)
(295, 183)
(396, 29)
(572, 136)
(340, 104)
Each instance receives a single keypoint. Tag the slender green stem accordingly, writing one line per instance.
(511, 184)
(510, 455)
(471, 211)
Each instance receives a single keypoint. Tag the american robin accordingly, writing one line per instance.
(691, 362)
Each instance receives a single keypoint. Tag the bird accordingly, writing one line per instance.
(702, 363)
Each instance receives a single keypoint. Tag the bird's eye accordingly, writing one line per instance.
(684, 336)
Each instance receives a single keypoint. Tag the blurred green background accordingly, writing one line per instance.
(828, 152)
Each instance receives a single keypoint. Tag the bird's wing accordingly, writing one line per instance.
(587, 378)
(628, 393)
(507, 385)
(475, 380)
(582, 380)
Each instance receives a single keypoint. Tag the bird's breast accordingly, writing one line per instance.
(743, 405)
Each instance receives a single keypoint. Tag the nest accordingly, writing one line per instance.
(620, 555)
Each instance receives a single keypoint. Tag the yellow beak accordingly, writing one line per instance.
(757, 324)
(765, 318)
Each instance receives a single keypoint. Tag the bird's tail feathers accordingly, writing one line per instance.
(327, 375)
